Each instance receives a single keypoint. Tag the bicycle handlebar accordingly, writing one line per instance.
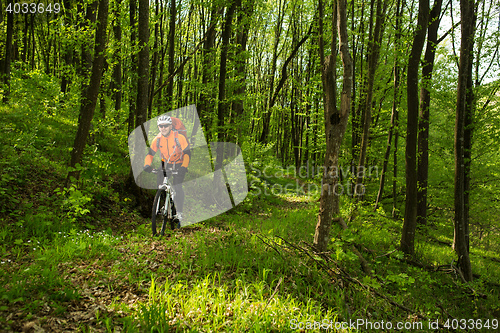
(174, 172)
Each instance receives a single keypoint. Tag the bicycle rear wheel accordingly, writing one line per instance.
(160, 215)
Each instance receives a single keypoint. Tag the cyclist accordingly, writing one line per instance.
(174, 149)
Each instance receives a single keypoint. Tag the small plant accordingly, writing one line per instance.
(74, 202)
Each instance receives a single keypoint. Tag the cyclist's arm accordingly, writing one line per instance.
(151, 153)
(185, 148)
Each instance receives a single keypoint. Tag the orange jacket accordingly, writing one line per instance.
(169, 150)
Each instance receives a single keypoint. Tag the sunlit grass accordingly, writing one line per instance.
(210, 304)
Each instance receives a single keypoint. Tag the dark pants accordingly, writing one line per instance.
(176, 180)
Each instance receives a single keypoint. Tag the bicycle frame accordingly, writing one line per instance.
(170, 193)
(165, 209)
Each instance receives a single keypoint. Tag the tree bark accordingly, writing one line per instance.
(223, 104)
(244, 20)
(467, 13)
(395, 103)
(424, 116)
(8, 53)
(277, 34)
(375, 40)
(91, 92)
(410, 219)
(67, 49)
(205, 99)
(133, 67)
(117, 69)
(86, 56)
(155, 61)
(335, 125)
(171, 53)
(143, 64)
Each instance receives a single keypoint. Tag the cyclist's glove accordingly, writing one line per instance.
(183, 171)
(148, 168)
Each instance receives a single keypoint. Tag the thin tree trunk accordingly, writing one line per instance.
(205, 103)
(67, 49)
(373, 56)
(143, 64)
(423, 124)
(91, 92)
(395, 103)
(222, 109)
(133, 67)
(25, 37)
(117, 69)
(171, 53)
(86, 59)
(356, 127)
(281, 83)
(277, 35)
(8, 53)
(387, 154)
(154, 65)
(410, 220)
(467, 13)
(244, 20)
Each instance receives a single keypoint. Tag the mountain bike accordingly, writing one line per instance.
(163, 205)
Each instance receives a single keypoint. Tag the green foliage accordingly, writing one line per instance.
(74, 202)
(35, 93)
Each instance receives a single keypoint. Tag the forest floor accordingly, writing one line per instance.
(83, 259)
(248, 270)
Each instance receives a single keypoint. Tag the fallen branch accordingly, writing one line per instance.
(272, 247)
(347, 278)
(388, 253)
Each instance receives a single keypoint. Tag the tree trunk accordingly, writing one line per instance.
(425, 102)
(244, 20)
(86, 59)
(467, 13)
(67, 49)
(356, 127)
(335, 125)
(155, 61)
(117, 69)
(373, 56)
(8, 53)
(171, 53)
(133, 67)
(91, 92)
(222, 109)
(25, 37)
(281, 83)
(395, 103)
(205, 103)
(143, 64)
(410, 220)
(277, 35)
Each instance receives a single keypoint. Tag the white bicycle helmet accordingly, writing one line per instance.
(164, 120)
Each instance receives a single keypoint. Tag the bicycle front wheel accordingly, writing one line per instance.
(161, 212)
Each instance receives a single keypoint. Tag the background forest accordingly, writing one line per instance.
(370, 132)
